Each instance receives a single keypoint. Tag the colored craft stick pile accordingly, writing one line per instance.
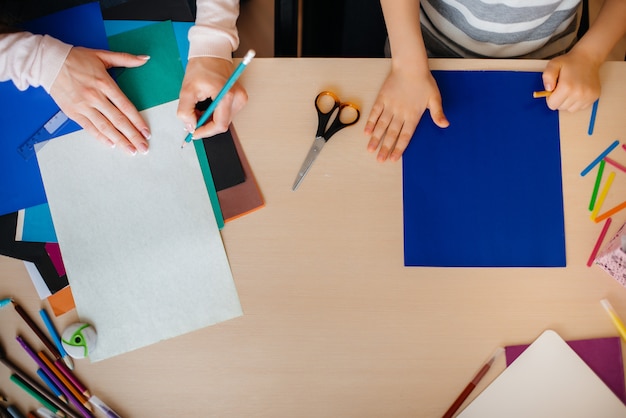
(599, 193)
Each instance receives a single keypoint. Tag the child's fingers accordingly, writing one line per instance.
(550, 75)
(436, 112)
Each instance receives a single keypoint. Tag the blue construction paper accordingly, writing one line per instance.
(487, 190)
(38, 226)
(20, 180)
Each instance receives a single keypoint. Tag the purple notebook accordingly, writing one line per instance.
(602, 355)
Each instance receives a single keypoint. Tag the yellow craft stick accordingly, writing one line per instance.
(616, 319)
(603, 193)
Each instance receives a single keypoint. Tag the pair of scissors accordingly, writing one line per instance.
(326, 103)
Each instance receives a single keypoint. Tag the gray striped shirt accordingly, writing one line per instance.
(499, 28)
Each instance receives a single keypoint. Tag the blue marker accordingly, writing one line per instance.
(229, 84)
(5, 302)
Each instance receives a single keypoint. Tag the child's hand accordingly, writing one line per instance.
(574, 81)
(401, 101)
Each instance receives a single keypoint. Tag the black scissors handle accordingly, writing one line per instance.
(350, 113)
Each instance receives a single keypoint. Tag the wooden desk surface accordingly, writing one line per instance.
(334, 325)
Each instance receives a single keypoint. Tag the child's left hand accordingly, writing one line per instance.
(574, 81)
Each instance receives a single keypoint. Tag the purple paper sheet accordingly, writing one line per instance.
(602, 355)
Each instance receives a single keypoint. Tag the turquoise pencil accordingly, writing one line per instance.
(56, 338)
(5, 302)
(229, 84)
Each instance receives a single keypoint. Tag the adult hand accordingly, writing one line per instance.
(574, 81)
(401, 101)
(86, 93)
(204, 78)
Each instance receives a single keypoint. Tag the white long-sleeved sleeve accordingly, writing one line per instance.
(215, 32)
(31, 60)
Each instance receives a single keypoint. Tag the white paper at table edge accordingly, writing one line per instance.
(526, 375)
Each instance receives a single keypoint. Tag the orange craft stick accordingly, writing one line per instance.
(611, 212)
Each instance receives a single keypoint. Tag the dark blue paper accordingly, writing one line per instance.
(24, 112)
(486, 191)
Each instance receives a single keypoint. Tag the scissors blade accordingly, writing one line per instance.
(317, 146)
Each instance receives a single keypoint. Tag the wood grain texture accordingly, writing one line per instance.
(333, 324)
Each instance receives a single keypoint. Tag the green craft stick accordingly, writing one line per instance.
(594, 195)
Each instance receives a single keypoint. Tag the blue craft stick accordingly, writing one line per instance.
(592, 120)
(229, 83)
(599, 158)
(53, 332)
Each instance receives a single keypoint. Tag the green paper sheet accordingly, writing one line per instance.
(158, 81)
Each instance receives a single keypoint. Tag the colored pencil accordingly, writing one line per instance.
(53, 368)
(596, 247)
(596, 186)
(36, 395)
(44, 366)
(56, 338)
(544, 93)
(5, 302)
(229, 84)
(44, 413)
(614, 318)
(611, 212)
(592, 119)
(49, 345)
(603, 193)
(97, 402)
(51, 398)
(57, 392)
(61, 366)
(3, 412)
(471, 385)
(14, 412)
(615, 164)
(599, 158)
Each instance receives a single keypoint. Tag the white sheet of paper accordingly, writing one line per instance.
(547, 380)
(140, 243)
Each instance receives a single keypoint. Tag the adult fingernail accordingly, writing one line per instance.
(190, 128)
(146, 133)
(143, 148)
(131, 150)
(144, 57)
